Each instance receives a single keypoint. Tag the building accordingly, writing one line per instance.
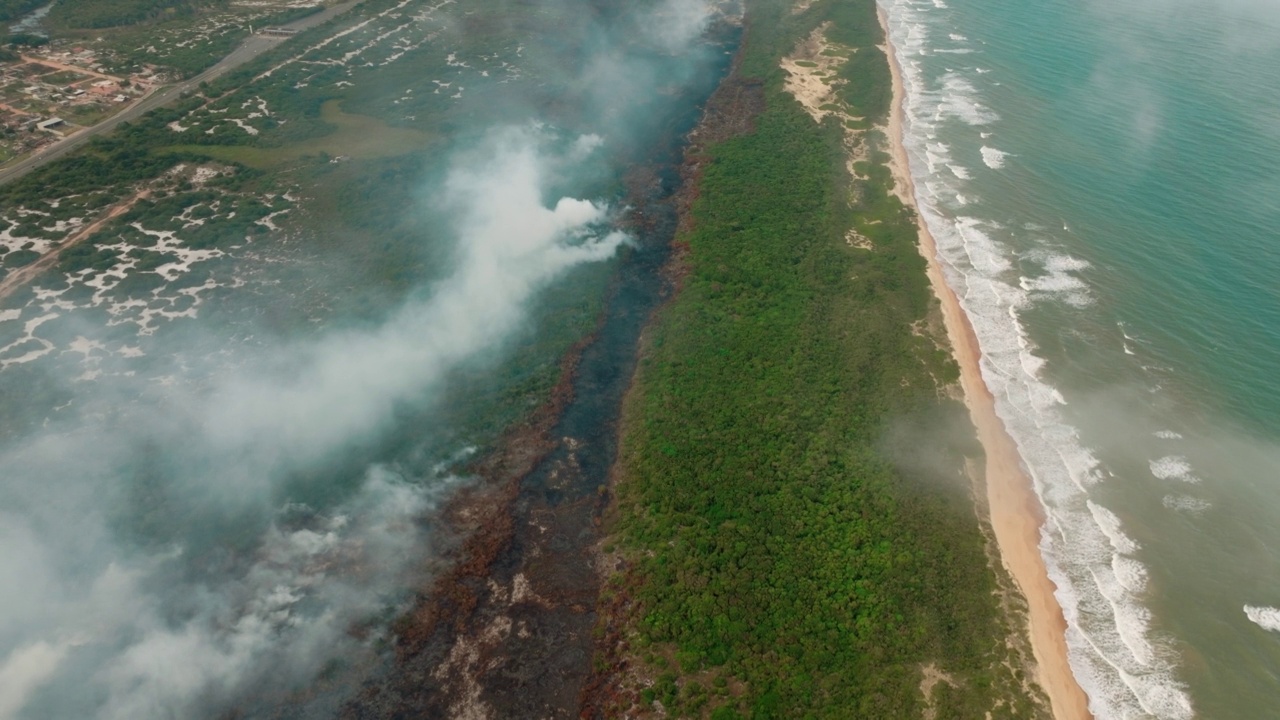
(51, 125)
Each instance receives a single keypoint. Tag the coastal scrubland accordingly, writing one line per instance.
(793, 532)
(282, 185)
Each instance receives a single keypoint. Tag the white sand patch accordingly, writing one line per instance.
(177, 127)
(85, 346)
(276, 4)
(244, 126)
(340, 35)
(103, 282)
(269, 221)
(813, 78)
(29, 328)
(203, 175)
(11, 241)
(50, 300)
(260, 105)
(168, 242)
(65, 226)
(855, 239)
(811, 71)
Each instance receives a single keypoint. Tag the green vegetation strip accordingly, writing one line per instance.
(353, 136)
(800, 539)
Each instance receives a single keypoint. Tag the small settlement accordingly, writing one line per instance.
(48, 93)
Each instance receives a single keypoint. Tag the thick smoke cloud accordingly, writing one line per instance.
(678, 23)
(152, 561)
(239, 441)
(511, 246)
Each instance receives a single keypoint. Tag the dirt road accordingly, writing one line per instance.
(73, 68)
(23, 275)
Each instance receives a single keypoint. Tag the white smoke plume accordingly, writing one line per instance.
(511, 246)
(676, 23)
(237, 587)
(304, 587)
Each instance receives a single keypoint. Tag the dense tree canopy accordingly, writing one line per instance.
(787, 538)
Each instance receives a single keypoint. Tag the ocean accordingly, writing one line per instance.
(1103, 182)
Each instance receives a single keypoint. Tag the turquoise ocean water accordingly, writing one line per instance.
(1103, 180)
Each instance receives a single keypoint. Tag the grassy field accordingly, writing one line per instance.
(798, 534)
(353, 136)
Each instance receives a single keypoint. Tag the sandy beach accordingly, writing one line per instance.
(1015, 510)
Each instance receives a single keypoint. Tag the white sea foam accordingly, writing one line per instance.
(993, 158)
(1065, 263)
(1113, 652)
(960, 172)
(959, 99)
(1165, 434)
(1267, 618)
(1110, 526)
(1052, 283)
(1131, 573)
(1186, 504)
(1173, 467)
(1058, 283)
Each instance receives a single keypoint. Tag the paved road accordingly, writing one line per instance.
(252, 47)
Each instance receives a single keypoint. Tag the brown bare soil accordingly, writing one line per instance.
(494, 635)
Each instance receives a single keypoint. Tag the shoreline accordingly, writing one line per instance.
(1015, 512)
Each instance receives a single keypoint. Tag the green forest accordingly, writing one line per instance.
(799, 538)
(94, 14)
(15, 9)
